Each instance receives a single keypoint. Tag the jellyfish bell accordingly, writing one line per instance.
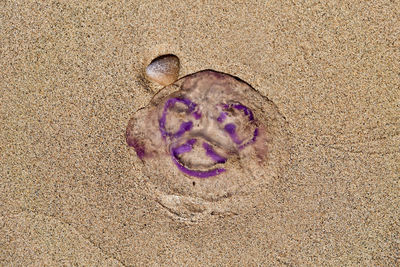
(212, 128)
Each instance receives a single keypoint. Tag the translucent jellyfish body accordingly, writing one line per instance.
(209, 136)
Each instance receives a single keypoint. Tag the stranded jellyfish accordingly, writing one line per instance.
(209, 135)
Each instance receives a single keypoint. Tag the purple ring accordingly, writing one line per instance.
(187, 147)
(212, 154)
(185, 126)
(230, 128)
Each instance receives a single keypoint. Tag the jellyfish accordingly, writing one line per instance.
(212, 128)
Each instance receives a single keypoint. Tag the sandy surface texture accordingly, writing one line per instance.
(72, 192)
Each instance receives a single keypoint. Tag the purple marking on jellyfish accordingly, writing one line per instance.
(195, 173)
(161, 126)
(230, 128)
(186, 147)
(168, 104)
(139, 148)
(245, 109)
(255, 134)
(222, 117)
(212, 154)
(185, 126)
(196, 115)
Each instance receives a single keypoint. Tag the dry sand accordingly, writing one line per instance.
(71, 76)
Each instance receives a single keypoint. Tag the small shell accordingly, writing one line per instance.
(163, 69)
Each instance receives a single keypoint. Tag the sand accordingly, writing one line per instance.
(72, 75)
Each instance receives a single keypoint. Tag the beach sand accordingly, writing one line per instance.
(72, 75)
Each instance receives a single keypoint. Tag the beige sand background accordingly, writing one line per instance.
(71, 76)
